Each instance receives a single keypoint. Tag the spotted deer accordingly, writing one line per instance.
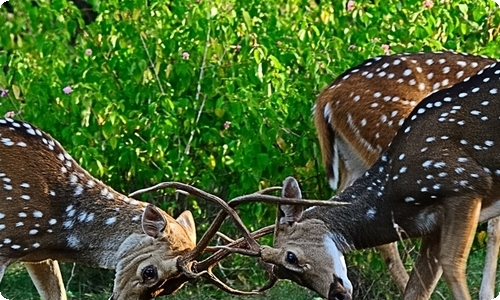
(52, 209)
(439, 177)
(359, 113)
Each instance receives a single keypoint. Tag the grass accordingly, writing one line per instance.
(17, 285)
(371, 282)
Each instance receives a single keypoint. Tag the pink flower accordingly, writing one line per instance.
(88, 52)
(226, 125)
(386, 49)
(4, 93)
(67, 90)
(237, 47)
(185, 55)
(350, 5)
(428, 4)
(10, 114)
(279, 43)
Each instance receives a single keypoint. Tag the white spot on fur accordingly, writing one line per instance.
(73, 241)
(110, 221)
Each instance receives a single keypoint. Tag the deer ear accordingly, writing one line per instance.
(153, 222)
(290, 213)
(187, 222)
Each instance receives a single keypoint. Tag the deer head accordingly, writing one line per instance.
(146, 262)
(304, 251)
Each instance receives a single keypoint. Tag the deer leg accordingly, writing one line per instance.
(427, 270)
(390, 254)
(457, 234)
(490, 265)
(46, 277)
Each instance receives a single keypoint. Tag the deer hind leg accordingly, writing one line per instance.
(427, 269)
(390, 255)
(46, 277)
(487, 291)
(457, 234)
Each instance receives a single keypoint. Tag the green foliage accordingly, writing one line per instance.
(213, 93)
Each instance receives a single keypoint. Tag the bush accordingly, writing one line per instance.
(213, 93)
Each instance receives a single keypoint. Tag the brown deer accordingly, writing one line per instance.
(439, 177)
(52, 209)
(358, 114)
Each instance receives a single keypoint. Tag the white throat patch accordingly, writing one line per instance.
(339, 266)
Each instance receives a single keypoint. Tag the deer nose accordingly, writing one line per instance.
(340, 296)
(338, 291)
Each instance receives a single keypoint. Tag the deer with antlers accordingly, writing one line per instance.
(52, 210)
(358, 114)
(439, 177)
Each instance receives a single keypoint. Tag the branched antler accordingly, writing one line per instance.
(247, 245)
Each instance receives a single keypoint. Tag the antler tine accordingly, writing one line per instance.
(269, 190)
(224, 237)
(217, 282)
(211, 261)
(257, 197)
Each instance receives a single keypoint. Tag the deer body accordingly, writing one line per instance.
(357, 116)
(51, 208)
(359, 113)
(439, 177)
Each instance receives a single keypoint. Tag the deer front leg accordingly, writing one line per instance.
(427, 270)
(46, 277)
(390, 255)
(490, 264)
(457, 234)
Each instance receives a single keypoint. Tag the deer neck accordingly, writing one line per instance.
(373, 218)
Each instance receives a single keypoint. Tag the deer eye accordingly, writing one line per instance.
(291, 258)
(149, 273)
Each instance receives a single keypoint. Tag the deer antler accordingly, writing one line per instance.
(191, 268)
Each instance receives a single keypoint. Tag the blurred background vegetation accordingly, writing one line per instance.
(214, 93)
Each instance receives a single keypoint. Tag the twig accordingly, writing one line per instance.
(145, 142)
(71, 276)
(152, 65)
(198, 90)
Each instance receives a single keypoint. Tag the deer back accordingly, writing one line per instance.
(50, 207)
(357, 115)
(449, 145)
